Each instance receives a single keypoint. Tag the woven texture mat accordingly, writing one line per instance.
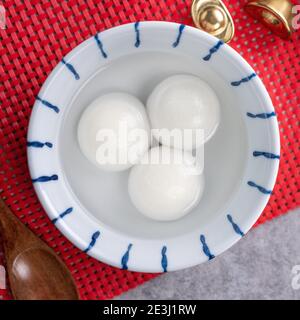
(40, 33)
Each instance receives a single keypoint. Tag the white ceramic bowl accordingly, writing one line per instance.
(92, 208)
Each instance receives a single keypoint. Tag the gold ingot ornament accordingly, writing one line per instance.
(213, 17)
(277, 15)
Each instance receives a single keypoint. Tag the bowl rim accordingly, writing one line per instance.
(143, 255)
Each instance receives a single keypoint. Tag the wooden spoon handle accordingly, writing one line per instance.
(10, 228)
(16, 236)
(7, 219)
(34, 270)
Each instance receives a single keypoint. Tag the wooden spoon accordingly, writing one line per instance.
(34, 270)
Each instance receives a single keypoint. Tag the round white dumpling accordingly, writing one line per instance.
(165, 190)
(113, 131)
(184, 102)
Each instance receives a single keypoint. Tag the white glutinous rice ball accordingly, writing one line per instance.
(163, 189)
(184, 102)
(113, 131)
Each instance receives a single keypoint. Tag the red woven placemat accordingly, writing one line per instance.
(40, 33)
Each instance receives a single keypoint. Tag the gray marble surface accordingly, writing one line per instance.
(258, 267)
